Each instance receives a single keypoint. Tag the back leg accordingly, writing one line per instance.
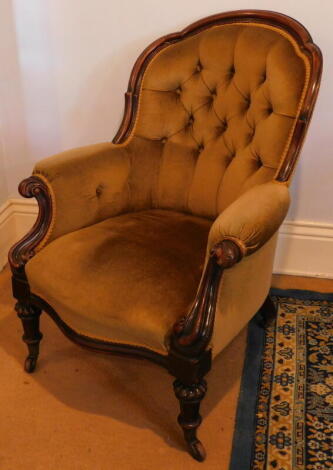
(268, 312)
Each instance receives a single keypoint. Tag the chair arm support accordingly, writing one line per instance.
(253, 218)
(241, 229)
(87, 184)
(78, 188)
(192, 333)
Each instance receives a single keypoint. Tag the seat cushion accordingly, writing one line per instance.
(126, 279)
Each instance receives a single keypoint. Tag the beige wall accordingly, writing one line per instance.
(67, 66)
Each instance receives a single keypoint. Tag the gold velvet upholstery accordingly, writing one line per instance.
(128, 278)
(132, 222)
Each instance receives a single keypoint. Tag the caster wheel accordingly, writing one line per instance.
(197, 450)
(30, 364)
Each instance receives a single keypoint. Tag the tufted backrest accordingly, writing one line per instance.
(221, 105)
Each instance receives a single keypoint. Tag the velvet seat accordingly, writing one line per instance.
(112, 277)
(161, 243)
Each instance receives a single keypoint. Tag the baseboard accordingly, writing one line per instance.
(17, 216)
(304, 248)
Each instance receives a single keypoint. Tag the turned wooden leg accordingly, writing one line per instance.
(268, 312)
(190, 397)
(29, 314)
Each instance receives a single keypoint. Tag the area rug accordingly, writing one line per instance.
(285, 410)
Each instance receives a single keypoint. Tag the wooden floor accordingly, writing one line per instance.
(301, 282)
(84, 411)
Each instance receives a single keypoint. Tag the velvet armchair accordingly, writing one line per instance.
(160, 245)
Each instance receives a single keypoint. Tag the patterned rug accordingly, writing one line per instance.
(285, 409)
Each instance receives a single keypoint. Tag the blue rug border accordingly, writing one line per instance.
(301, 294)
(242, 446)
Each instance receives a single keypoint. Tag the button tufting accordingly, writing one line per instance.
(200, 147)
(269, 110)
(163, 140)
(179, 90)
(232, 70)
(263, 78)
(99, 190)
(250, 137)
(224, 124)
(213, 92)
(199, 67)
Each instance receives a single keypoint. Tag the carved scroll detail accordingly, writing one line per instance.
(23, 250)
(192, 333)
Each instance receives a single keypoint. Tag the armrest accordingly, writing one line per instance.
(83, 186)
(90, 184)
(253, 218)
(246, 225)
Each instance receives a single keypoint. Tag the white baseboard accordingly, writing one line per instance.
(304, 248)
(17, 216)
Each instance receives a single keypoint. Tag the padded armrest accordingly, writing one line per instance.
(92, 183)
(253, 218)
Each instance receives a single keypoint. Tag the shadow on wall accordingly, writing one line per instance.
(31, 120)
(14, 137)
(99, 108)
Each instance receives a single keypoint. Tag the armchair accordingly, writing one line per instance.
(160, 245)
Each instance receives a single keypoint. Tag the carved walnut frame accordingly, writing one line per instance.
(189, 355)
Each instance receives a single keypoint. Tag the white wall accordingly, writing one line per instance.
(67, 66)
(3, 180)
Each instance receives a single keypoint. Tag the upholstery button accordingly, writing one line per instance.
(224, 124)
(163, 140)
(178, 90)
(232, 70)
(198, 67)
(213, 92)
(220, 130)
(250, 137)
(99, 190)
(269, 110)
(200, 147)
(191, 119)
(263, 78)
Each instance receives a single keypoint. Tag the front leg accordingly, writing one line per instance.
(190, 397)
(189, 344)
(29, 315)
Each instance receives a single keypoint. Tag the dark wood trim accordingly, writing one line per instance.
(29, 315)
(23, 250)
(287, 24)
(314, 54)
(98, 345)
(190, 397)
(192, 334)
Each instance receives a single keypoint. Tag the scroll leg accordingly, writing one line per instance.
(29, 315)
(190, 397)
(268, 312)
